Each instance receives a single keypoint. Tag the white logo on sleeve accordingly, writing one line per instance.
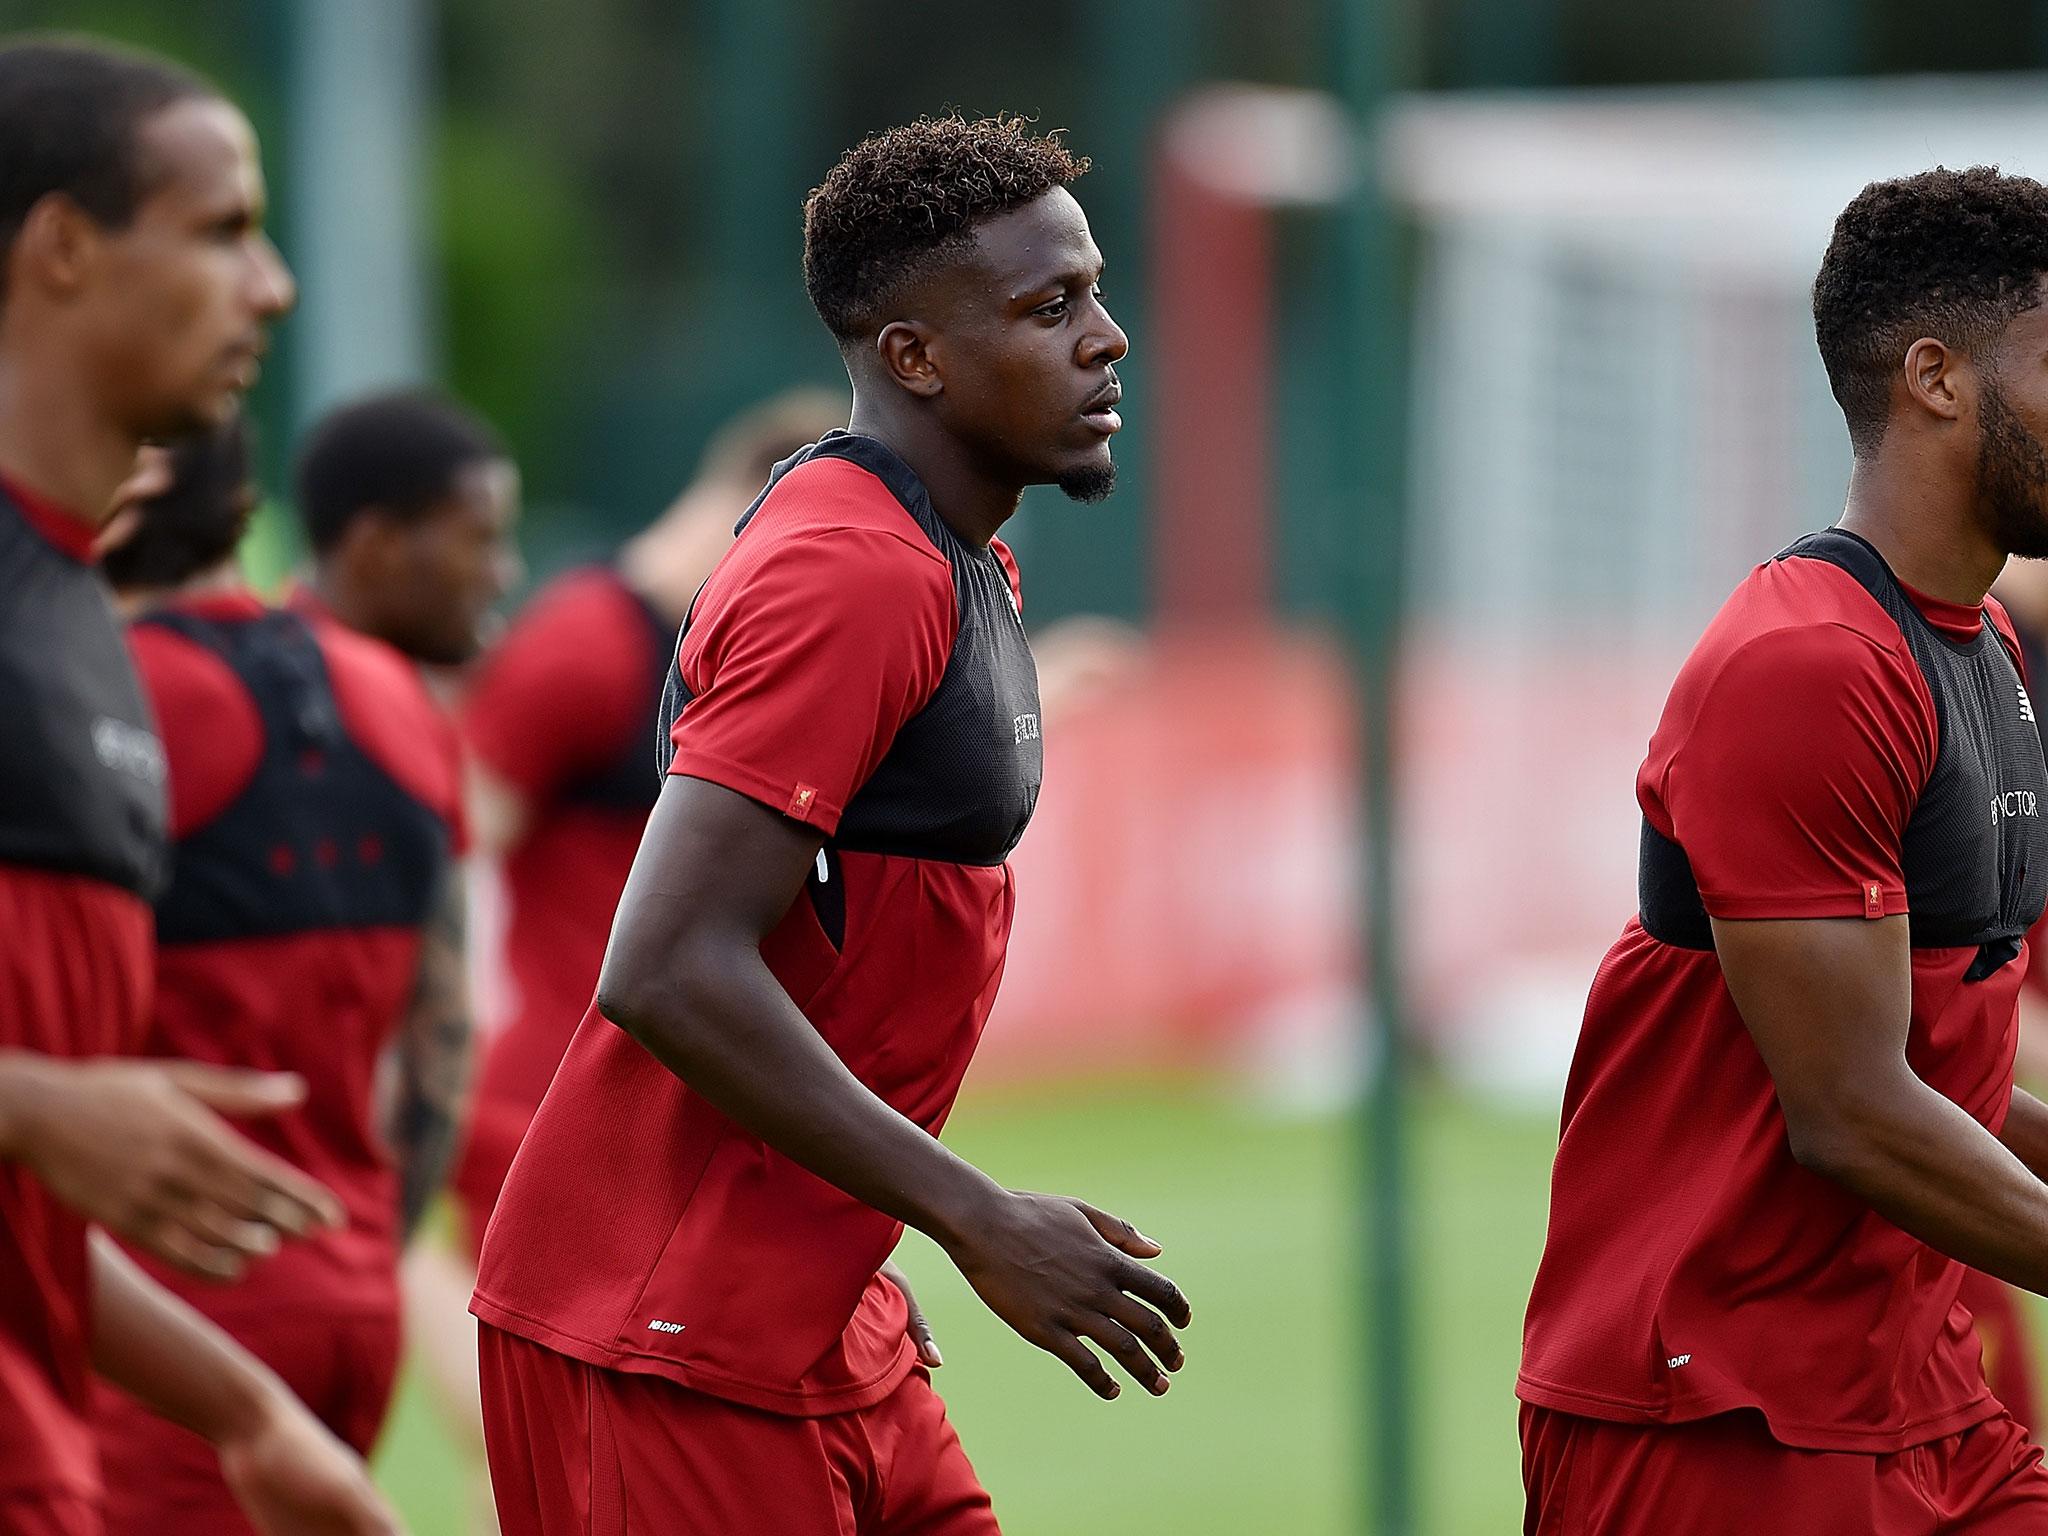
(1677, 1360)
(1027, 728)
(128, 749)
(2026, 705)
(658, 1326)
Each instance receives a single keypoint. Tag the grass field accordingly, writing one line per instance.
(1262, 1431)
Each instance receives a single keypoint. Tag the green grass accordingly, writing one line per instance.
(1263, 1430)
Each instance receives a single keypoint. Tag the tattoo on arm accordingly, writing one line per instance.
(433, 1049)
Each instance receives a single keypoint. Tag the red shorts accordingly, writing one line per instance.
(576, 1449)
(1725, 1476)
(165, 1481)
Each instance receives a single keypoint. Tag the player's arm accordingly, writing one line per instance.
(499, 812)
(139, 1147)
(2025, 1132)
(291, 1477)
(1828, 1002)
(433, 1049)
(684, 975)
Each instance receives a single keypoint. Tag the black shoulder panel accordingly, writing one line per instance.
(1975, 850)
(322, 836)
(623, 784)
(81, 769)
(961, 779)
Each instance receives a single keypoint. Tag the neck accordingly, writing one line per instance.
(1924, 522)
(225, 577)
(340, 598)
(57, 439)
(973, 502)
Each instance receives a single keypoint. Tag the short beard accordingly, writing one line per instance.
(1090, 484)
(2012, 477)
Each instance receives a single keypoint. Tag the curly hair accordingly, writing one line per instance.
(198, 519)
(900, 203)
(1949, 254)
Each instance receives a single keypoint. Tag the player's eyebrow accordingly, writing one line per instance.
(1081, 275)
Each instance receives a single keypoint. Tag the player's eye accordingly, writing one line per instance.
(1053, 311)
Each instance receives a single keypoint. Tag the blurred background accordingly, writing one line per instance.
(1470, 368)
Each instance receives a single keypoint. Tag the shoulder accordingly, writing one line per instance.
(832, 511)
(582, 624)
(588, 597)
(832, 531)
(182, 675)
(1802, 619)
(1801, 665)
(388, 712)
(1008, 561)
(211, 730)
(2001, 622)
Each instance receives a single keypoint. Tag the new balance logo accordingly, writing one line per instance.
(2026, 705)
(1027, 728)
(658, 1326)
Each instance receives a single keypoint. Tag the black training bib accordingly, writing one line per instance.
(81, 769)
(1975, 851)
(961, 779)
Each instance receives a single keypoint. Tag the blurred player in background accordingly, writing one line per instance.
(1792, 1110)
(409, 502)
(683, 1315)
(138, 286)
(560, 723)
(313, 924)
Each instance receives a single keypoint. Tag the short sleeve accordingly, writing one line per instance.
(1791, 789)
(565, 690)
(805, 659)
(212, 734)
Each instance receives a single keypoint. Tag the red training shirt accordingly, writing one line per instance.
(74, 968)
(1692, 1266)
(324, 1002)
(640, 1229)
(568, 696)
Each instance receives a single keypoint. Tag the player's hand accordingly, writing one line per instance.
(919, 1330)
(1060, 1272)
(293, 1478)
(140, 1148)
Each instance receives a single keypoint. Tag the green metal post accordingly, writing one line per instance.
(1507, 43)
(1805, 38)
(1081, 560)
(756, 120)
(1373, 53)
(760, 120)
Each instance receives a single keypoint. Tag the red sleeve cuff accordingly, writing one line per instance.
(794, 798)
(1854, 902)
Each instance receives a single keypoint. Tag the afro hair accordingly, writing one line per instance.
(901, 202)
(1949, 254)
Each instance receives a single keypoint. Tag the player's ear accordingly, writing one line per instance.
(55, 245)
(371, 545)
(1932, 378)
(905, 351)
